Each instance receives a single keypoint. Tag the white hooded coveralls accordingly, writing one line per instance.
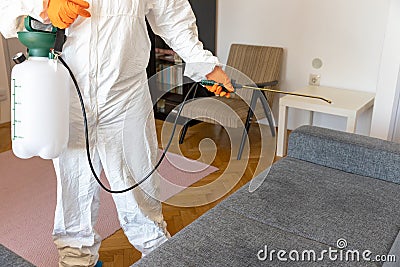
(108, 54)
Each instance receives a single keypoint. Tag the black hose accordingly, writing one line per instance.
(87, 136)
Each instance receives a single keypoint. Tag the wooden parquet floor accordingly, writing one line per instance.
(5, 137)
(188, 205)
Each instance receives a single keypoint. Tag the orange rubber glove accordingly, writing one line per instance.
(219, 76)
(62, 13)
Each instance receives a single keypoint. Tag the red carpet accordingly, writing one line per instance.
(28, 197)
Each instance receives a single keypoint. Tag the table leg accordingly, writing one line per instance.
(282, 131)
(311, 118)
(351, 124)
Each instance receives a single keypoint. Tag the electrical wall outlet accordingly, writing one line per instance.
(314, 79)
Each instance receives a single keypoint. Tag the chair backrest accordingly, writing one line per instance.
(259, 63)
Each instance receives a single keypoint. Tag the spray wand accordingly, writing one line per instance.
(240, 86)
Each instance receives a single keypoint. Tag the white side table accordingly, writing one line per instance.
(346, 103)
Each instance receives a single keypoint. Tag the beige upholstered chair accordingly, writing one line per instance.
(260, 64)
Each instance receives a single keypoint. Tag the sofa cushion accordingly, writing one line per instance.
(348, 152)
(324, 204)
(225, 238)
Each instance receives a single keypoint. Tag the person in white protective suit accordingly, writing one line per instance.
(108, 49)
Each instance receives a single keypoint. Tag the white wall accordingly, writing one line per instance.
(387, 95)
(394, 131)
(348, 35)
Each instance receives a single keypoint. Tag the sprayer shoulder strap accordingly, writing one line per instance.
(60, 40)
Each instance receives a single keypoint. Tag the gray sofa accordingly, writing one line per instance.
(334, 193)
(10, 259)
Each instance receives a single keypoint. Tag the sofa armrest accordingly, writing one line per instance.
(348, 152)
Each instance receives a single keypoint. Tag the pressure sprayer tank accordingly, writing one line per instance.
(40, 100)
